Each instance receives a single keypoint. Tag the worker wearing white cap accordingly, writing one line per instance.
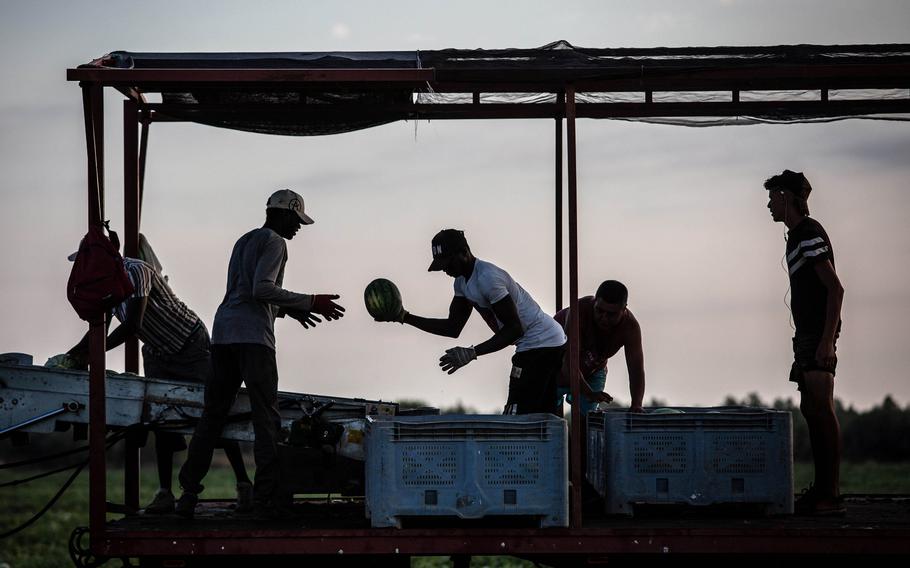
(243, 350)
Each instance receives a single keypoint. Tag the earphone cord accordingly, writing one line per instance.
(783, 265)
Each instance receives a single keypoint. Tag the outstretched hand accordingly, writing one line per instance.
(397, 317)
(456, 358)
(324, 306)
(306, 319)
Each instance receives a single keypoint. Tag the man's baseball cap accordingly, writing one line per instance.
(794, 182)
(446, 243)
(287, 199)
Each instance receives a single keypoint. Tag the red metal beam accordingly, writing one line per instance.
(691, 77)
(638, 542)
(560, 100)
(143, 155)
(93, 107)
(694, 76)
(131, 249)
(131, 206)
(575, 468)
(821, 109)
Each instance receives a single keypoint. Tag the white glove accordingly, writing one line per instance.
(456, 358)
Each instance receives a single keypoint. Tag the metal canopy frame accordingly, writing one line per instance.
(677, 69)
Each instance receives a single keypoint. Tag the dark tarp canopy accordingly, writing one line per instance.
(693, 86)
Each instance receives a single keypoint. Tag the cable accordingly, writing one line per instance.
(52, 457)
(38, 476)
(50, 504)
(43, 458)
(110, 441)
(784, 265)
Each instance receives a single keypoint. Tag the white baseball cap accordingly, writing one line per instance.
(287, 199)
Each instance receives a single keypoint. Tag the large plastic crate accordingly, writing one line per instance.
(700, 456)
(467, 467)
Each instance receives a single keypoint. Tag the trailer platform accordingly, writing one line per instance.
(874, 525)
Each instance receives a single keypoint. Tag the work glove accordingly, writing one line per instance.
(456, 358)
(306, 319)
(324, 306)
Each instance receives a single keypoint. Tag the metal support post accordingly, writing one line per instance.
(575, 465)
(131, 249)
(93, 107)
(560, 101)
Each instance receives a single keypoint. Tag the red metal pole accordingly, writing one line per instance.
(131, 206)
(131, 249)
(143, 152)
(560, 100)
(93, 107)
(575, 468)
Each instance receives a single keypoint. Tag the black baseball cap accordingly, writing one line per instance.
(446, 243)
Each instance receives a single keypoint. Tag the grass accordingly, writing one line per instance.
(44, 544)
(861, 477)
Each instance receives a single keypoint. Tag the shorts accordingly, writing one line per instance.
(192, 363)
(804, 349)
(532, 382)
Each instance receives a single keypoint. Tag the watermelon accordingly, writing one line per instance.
(383, 300)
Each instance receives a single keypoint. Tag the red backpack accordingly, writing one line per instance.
(98, 280)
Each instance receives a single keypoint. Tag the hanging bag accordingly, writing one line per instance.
(98, 280)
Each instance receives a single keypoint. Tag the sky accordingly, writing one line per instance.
(678, 214)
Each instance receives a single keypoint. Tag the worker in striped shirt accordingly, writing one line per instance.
(816, 298)
(175, 345)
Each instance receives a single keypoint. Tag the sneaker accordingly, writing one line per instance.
(244, 497)
(812, 503)
(186, 505)
(162, 503)
(830, 507)
(805, 501)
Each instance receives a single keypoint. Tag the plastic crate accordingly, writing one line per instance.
(699, 456)
(467, 467)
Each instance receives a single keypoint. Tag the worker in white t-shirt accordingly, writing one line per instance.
(511, 313)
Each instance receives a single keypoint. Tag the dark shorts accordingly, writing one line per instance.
(192, 363)
(532, 382)
(804, 349)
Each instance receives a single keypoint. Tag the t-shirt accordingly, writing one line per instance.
(167, 322)
(807, 244)
(254, 293)
(489, 284)
(595, 345)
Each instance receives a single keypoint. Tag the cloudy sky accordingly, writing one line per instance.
(676, 213)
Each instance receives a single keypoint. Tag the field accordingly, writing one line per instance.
(44, 544)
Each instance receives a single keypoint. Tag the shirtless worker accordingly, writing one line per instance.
(606, 324)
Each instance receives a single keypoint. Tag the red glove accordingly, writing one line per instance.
(324, 306)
